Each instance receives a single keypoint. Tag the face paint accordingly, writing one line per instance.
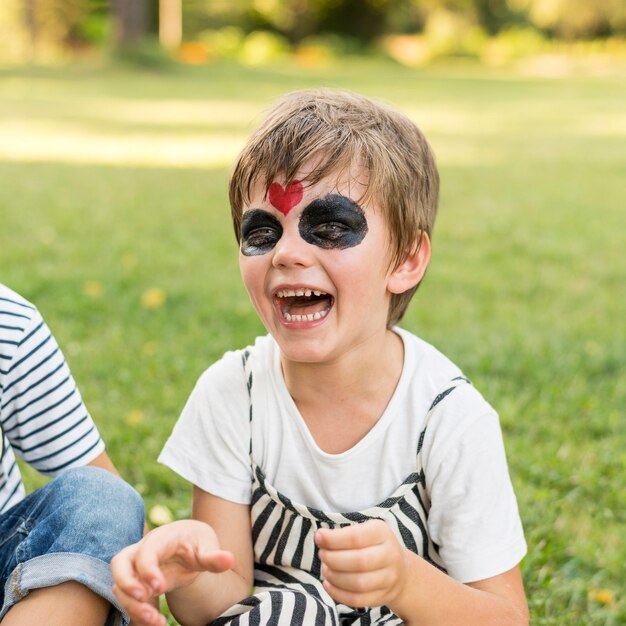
(285, 199)
(260, 232)
(333, 222)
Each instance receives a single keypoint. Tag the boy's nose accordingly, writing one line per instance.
(291, 250)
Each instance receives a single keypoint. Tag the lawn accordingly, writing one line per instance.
(115, 222)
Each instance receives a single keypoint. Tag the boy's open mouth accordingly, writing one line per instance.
(303, 305)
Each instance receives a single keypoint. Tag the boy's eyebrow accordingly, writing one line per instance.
(253, 215)
(335, 200)
(330, 197)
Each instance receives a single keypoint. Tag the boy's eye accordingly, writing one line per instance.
(331, 231)
(261, 236)
(333, 222)
(260, 232)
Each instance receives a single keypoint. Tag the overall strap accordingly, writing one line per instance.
(456, 382)
(245, 361)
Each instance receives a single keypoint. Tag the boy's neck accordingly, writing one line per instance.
(358, 387)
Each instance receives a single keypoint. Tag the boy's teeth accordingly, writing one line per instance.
(292, 293)
(306, 318)
(302, 292)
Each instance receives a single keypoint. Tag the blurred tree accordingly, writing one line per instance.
(296, 19)
(493, 15)
(55, 20)
(35, 30)
(364, 20)
(30, 22)
(200, 15)
(170, 23)
(38, 29)
(361, 19)
(131, 20)
(94, 28)
(490, 15)
(574, 19)
(570, 19)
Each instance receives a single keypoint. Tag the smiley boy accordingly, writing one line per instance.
(342, 467)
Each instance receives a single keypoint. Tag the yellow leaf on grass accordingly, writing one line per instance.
(153, 298)
(93, 288)
(134, 418)
(603, 596)
(159, 514)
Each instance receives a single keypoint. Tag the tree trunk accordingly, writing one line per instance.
(170, 23)
(130, 19)
(30, 21)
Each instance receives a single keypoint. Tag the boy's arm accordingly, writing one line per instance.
(103, 461)
(212, 594)
(432, 597)
(364, 565)
(202, 570)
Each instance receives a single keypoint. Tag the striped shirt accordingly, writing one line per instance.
(42, 416)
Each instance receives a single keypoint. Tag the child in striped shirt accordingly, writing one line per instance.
(55, 543)
(344, 470)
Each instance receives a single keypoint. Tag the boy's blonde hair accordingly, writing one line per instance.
(336, 130)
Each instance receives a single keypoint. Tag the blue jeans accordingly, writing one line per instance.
(68, 530)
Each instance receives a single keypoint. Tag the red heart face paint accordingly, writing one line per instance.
(285, 199)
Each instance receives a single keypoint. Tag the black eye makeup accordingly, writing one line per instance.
(260, 232)
(333, 222)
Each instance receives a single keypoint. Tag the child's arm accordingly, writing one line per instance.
(364, 565)
(201, 575)
(214, 594)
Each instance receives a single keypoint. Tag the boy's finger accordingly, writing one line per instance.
(195, 558)
(148, 569)
(216, 560)
(356, 582)
(139, 612)
(126, 577)
(351, 537)
(363, 560)
(350, 598)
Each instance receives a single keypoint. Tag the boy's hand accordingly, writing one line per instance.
(167, 558)
(362, 565)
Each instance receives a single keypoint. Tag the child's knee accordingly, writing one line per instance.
(99, 506)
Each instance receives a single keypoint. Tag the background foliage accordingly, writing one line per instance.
(36, 30)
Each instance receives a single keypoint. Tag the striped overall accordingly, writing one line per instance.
(288, 591)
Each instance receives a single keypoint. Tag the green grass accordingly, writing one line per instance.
(118, 177)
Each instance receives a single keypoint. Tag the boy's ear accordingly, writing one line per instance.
(412, 269)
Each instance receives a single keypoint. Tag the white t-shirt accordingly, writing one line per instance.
(42, 416)
(473, 515)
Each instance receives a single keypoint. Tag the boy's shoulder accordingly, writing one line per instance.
(443, 389)
(17, 316)
(230, 369)
(12, 304)
(432, 367)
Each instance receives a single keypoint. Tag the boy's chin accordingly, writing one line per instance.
(303, 350)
